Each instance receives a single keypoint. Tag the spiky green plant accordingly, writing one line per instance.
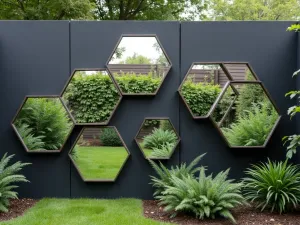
(273, 185)
(164, 174)
(32, 142)
(163, 152)
(205, 196)
(253, 128)
(8, 176)
(158, 138)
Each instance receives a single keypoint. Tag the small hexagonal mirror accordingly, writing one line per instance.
(139, 65)
(99, 154)
(241, 71)
(157, 138)
(91, 96)
(43, 124)
(249, 117)
(201, 87)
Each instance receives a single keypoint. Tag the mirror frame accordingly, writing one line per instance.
(98, 180)
(175, 146)
(163, 50)
(270, 99)
(115, 107)
(21, 139)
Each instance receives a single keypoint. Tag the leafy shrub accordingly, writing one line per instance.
(162, 152)
(109, 137)
(164, 174)
(166, 125)
(253, 127)
(91, 98)
(158, 138)
(32, 142)
(133, 83)
(273, 185)
(200, 96)
(8, 176)
(205, 196)
(47, 120)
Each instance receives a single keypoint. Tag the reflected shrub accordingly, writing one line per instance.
(200, 96)
(43, 123)
(159, 138)
(109, 137)
(163, 152)
(253, 127)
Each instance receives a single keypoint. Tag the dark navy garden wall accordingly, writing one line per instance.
(37, 57)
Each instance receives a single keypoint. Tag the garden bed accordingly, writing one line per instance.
(17, 208)
(243, 215)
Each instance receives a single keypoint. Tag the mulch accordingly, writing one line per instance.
(243, 216)
(17, 208)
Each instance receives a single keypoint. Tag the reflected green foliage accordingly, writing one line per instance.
(91, 98)
(43, 123)
(159, 137)
(136, 59)
(99, 162)
(162, 152)
(199, 96)
(253, 127)
(165, 125)
(8, 177)
(137, 83)
(109, 137)
(273, 186)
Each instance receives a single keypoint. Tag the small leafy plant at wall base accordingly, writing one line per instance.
(292, 141)
(273, 186)
(8, 176)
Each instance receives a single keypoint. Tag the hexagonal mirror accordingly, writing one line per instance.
(43, 124)
(91, 96)
(139, 65)
(250, 115)
(241, 71)
(157, 138)
(99, 154)
(201, 87)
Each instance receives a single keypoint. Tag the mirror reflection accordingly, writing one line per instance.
(43, 124)
(157, 138)
(240, 71)
(139, 65)
(99, 154)
(201, 87)
(250, 118)
(91, 96)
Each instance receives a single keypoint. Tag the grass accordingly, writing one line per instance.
(84, 211)
(100, 162)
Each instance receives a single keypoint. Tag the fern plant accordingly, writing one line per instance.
(205, 196)
(273, 185)
(159, 137)
(253, 128)
(164, 174)
(163, 152)
(32, 142)
(8, 176)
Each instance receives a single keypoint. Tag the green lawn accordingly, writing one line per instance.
(84, 212)
(100, 162)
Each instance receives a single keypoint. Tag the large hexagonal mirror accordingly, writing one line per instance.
(245, 115)
(139, 65)
(201, 87)
(42, 124)
(91, 96)
(157, 138)
(99, 154)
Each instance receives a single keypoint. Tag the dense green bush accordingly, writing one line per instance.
(163, 152)
(46, 120)
(164, 180)
(200, 96)
(8, 176)
(253, 128)
(273, 185)
(109, 137)
(133, 83)
(91, 98)
(165, 125)
(158, 138)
